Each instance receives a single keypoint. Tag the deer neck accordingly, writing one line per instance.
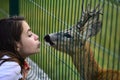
(85, 63)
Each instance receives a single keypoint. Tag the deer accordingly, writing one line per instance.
(74, 42)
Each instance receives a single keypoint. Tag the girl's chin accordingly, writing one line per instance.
(38, 50)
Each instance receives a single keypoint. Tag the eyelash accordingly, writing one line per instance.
(29, 35)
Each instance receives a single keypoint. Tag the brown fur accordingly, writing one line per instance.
(83, 59)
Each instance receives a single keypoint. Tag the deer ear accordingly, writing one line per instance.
(92, 29)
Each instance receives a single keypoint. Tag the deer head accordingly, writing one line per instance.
(76, 36)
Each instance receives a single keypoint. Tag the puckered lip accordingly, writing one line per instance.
(39, 45)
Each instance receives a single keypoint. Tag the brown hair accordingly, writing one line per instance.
(10, 33)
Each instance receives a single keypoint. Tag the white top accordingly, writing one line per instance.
(10, 70)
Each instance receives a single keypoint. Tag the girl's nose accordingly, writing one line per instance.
(36, 37)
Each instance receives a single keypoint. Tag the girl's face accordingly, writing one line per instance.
(29, 43)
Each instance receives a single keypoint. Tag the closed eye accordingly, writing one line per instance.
(67, 35)
(29, 35)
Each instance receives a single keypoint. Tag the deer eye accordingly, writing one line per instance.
(67, 35)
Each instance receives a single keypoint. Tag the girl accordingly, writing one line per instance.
(17, 42)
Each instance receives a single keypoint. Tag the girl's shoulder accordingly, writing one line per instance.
(10, 65)
(10, 69)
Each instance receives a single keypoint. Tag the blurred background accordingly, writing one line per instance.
(48, 16)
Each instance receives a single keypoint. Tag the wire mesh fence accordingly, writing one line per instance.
(49, 16)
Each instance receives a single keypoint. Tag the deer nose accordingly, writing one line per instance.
(47, 39)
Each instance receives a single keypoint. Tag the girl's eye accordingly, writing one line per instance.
(29, 35)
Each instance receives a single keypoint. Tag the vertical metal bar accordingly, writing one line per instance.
(115, 41)
(42, 30)
(45, 30)
(55, 10)
(100, 38)
(105, 39)
(95, 39)
(13, 7)
(65, 57)
(49, 29)
(58, 21)
(48, 57)
(110, 39)
(118, 67)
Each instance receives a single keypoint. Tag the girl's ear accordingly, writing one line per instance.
(18, 44)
